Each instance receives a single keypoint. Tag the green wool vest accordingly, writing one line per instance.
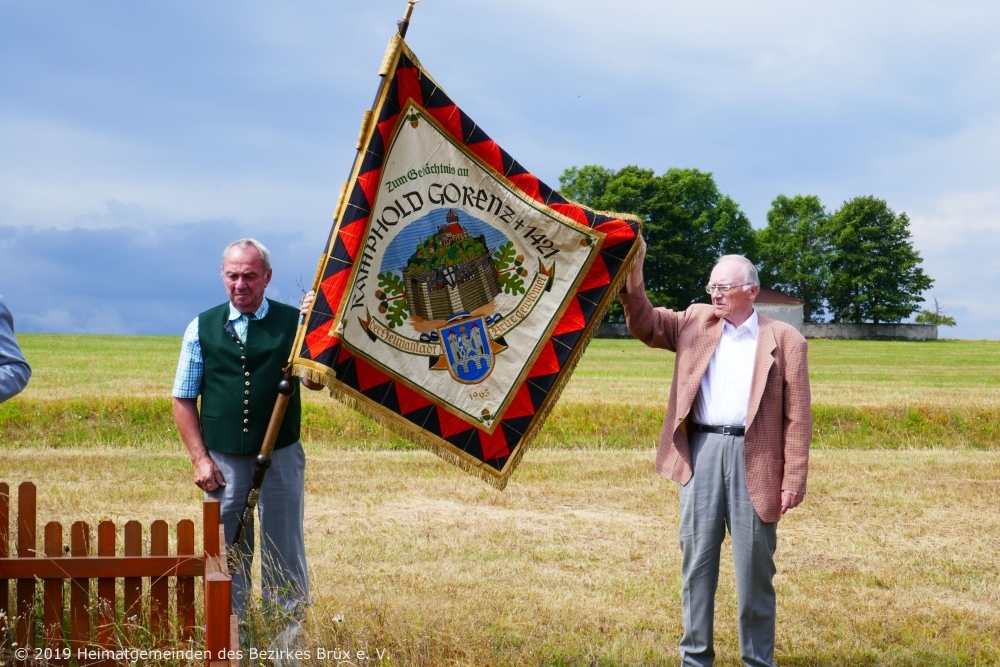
(240, 382)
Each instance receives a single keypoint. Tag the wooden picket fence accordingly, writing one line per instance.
(89, 633)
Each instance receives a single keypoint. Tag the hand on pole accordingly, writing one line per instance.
(307, 302)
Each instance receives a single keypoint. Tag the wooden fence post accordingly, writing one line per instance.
(53, 591)
(25, 633)
(79, 596)
(159, 615)
(210, 526)
(106, 546)
(218, 588)
(185, 585)
(133, 585)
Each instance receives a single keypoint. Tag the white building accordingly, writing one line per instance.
(780, 307)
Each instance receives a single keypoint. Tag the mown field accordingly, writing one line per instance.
(892, 560)
(114, 390)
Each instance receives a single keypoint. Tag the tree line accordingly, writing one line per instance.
(855, 264)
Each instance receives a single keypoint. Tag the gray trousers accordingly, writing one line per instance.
(716, 498)
(281, 510)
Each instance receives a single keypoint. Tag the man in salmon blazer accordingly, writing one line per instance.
(736, 437)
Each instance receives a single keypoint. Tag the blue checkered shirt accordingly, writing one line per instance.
(191, 365)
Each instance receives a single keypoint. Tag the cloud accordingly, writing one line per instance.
(133, 132)
(132, 280)
(957, 220)
(961, 286)
(83, 318)
(64, 176)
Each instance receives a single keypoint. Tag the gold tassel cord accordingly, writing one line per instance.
(394, 424)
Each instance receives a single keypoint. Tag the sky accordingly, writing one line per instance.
(138, 139)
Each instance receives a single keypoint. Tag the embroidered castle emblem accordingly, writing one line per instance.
(450, 272)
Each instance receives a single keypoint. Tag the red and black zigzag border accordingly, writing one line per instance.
(407, 82)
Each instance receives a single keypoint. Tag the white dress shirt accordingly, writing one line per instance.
(725, 387)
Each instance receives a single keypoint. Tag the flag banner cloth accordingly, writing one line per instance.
(457, 291)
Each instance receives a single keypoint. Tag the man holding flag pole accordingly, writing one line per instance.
(236, 357)
(233, 357)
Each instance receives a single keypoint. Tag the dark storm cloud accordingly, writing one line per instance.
(131, 280)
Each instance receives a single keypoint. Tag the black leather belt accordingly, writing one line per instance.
(721, 430)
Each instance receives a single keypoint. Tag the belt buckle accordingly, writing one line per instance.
(728, 430)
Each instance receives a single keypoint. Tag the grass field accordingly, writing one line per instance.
(113, 390)
(944, 374)
(892, 559)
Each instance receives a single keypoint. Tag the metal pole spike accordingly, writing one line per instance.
(404, 23)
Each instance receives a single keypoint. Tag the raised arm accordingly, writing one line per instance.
(656, 327)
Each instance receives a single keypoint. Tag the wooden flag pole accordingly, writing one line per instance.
(287, 385)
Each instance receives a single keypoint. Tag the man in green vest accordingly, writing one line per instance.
(232, 357)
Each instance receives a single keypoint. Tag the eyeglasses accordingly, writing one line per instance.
(725, 289)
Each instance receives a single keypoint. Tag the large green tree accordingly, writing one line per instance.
(795, 251)
(687, 224)
(876, 274)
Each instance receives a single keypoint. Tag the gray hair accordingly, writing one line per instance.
(243, 244)
(750, 275)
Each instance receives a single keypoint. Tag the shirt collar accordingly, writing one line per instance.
(258, 314)
(750, 326)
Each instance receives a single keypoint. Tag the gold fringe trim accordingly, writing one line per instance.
(395, 423)
(567, 370)
(313, 375)
(411, 55)
(610, 214)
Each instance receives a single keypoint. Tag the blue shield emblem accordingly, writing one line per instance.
(467, 347)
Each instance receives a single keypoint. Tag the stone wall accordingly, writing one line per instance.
(612, 330)
(872, 331)
(783, 312)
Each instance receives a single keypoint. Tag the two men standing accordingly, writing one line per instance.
(736, 434)
(233, 357)
(736, 437)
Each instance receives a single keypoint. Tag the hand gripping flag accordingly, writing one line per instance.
(457, 291)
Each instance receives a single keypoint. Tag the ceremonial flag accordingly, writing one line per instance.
(457, 291)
